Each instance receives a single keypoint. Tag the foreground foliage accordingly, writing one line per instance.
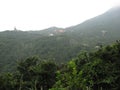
(98, 70)
(31, 75)
(92, 71)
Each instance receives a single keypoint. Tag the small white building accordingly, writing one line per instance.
(51, 34)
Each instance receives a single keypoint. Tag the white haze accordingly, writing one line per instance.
(40, 14)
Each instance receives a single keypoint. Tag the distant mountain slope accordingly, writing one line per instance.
(59, 44)
(103, 28)
(107, 21)
(49, 31)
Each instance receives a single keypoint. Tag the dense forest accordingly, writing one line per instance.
(99, 70)
(80, 57)
(58, 44)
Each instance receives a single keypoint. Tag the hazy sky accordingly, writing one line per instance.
(40, 14)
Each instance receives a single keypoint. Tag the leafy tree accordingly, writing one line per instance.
(37, 74)
(96, 70)
(7, 82)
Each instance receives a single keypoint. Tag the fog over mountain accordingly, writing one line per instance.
(59, 44)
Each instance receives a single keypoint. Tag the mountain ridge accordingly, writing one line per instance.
(61, 46)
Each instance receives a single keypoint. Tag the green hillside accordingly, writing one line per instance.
(15, 46)
(59, 44)
(99, 70)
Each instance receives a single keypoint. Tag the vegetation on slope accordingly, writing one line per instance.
(99, 70)
(59, 44)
